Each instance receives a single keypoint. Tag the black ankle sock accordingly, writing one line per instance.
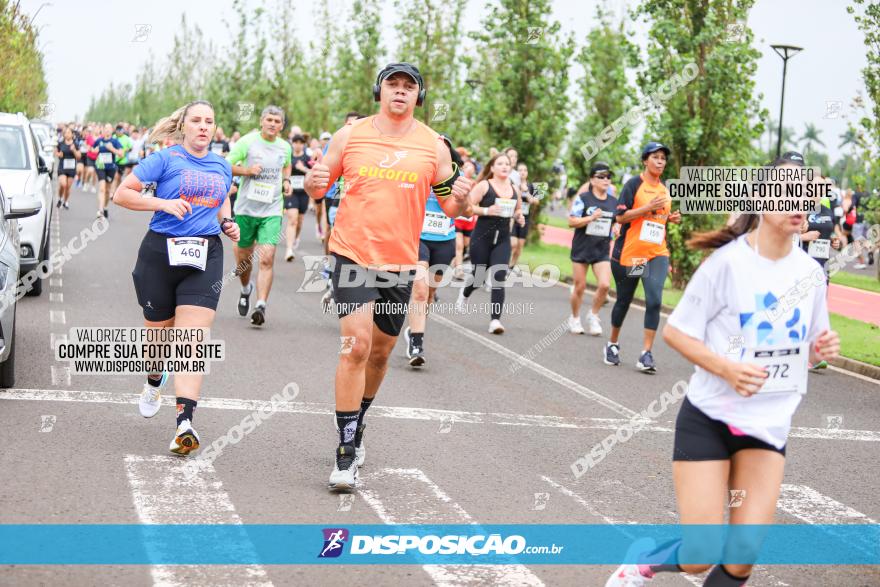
(154, 382)
(185, 407)
(365, 405)
(417, 338)
(347, 423)
(720, 577)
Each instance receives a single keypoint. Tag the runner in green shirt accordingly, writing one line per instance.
(263, 159)
(121, 162)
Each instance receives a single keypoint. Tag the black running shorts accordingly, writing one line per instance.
(160, 287)
(354, 286)
(437, 252)
(297, 200)
(700, 438)
(107, 174)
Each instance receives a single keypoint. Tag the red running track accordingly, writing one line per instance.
(857, 304)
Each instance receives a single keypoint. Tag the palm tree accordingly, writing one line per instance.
(811, 135)
(849, 138)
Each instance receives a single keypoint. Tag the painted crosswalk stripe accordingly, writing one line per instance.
(406, 413)
(408, 496)
(163, 494)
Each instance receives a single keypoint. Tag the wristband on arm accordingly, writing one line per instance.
(444, 188)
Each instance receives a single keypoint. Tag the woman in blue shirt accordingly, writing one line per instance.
(179, 271)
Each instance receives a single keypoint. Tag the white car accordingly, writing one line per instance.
(26, 181)
(45, 132)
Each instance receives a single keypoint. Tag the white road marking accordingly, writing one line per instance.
(55, 339)
(60, 375)
(58, 270)
(412, 498)
(539, 369)
(810, 506)
(404, 413)
(55, 282)
(56, 297)
(57, 317)
(163, 494)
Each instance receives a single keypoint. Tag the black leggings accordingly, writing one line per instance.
(490, 249)
(626, 278)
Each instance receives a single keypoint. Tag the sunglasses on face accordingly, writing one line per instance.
(602, 176)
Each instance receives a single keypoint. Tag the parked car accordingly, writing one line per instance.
(25, 178)
(48, 137)
(9, 273)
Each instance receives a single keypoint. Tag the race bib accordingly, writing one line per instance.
(68, 164)
(188, 251)
(819, 248)
(105, 158)
(297, 182)
(507, 205)
(652, 232)
(436, 223)
(599, 227)
(786, 367)
(260, 191)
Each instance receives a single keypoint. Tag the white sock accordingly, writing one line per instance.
(261, 303)
(247, 289)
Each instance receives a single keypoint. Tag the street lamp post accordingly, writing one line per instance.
(786, 52)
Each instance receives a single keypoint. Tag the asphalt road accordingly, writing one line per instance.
(480, 435)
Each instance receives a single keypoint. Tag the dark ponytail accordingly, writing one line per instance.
(705, 241)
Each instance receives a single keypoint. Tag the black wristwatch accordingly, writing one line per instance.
(225, 220)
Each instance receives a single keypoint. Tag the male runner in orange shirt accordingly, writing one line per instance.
(390, 163)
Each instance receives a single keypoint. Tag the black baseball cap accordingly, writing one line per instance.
(407, 68)
(598, 167)
(298, 139)
(792, 157)
(653, 147)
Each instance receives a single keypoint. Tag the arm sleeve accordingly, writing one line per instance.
(699, 304)
(151, 168)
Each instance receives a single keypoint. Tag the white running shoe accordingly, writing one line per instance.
(574, 325)
(151, 397)
(461, 301)
(860, 266)
(289, 256)
(495, 327)
(345, 471)
(627, 576)
(594, 324)
(185, 440)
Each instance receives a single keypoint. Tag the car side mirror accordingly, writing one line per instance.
(41, 165)
(29, 210)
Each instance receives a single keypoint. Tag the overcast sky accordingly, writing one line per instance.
(821, 82)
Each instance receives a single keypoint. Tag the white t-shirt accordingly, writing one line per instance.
(725, 306)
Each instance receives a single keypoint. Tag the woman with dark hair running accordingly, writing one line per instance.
(732, 429)
(495, 200)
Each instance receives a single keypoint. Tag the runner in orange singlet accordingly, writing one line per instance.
(390, 163)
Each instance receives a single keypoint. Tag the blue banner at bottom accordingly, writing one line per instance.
(132, 544)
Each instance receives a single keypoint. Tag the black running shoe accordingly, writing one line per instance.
(612, 354)
(244, 303)
(106, 214)
(258, 317)
(646, 363)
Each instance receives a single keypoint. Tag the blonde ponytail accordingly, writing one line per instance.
(172, 126)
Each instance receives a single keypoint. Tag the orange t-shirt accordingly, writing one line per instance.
(644, 238)
(388, 181)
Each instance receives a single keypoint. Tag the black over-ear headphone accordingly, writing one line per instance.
(406, 68)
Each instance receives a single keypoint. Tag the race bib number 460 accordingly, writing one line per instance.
(188, 251)
(786, 367)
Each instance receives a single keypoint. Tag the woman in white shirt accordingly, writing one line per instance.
(751, 317)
